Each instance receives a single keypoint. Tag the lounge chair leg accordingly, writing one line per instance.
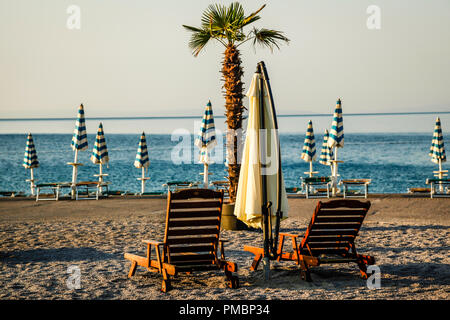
(165, 285)
(132, 269)
(363, 269)
(231, 281)
(256, 262)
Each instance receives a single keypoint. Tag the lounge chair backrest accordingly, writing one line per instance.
(316, 179)
(333, 227)
(192, 227)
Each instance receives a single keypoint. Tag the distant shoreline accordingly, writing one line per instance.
(221, 116)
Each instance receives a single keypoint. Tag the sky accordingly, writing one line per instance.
(131, 58)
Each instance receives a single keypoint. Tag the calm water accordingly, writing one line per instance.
(394, 162)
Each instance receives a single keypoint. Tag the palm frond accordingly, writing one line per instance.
(268, 38)
(252, 17)
(199, 39)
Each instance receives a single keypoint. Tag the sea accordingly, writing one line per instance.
(391, 150)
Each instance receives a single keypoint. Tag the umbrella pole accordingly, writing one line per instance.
(441, 187)
(205, 175)
(310, 169)
(335, 167)
(74, 173)
(143, 181)
(100, 177)
(32, 181)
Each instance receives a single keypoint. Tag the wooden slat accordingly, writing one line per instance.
(345, 204)
(192, 240)
(199, 248)
(188, 268)
(195, 214)
(352, 232)
(193, 223)
(334, 245)
(189, 232)
(317, 252)
(336, 212)
(192, 258)
(195, 193)
(330, 238)
(195, 204)
(353, 219)
(321, 226)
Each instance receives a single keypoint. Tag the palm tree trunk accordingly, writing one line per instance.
(232, 75)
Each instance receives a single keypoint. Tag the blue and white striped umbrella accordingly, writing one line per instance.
(30, 159)
(309, 146)
(142, 160)
(336, 138)
(100, 151)
(206, 138)
(326, 153)
(437, 150)
(79, 139)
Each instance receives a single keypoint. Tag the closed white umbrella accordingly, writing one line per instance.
(261, 181)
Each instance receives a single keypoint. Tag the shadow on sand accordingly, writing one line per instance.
(54, 254)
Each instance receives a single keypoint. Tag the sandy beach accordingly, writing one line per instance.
(39, 241)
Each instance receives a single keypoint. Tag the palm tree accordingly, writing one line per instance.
(226, 25)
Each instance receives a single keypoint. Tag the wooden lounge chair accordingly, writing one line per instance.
(191, 240)
(329, 238)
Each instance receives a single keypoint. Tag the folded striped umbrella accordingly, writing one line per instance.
(326, 153)
(30, 159)
(309, 146)
(206, 140)
(437, 150)
(336, 137)
(79, 143)
(79, 139)
(336, 140)
(100, 151)
(142, 161)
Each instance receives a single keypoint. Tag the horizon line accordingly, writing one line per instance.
(222, 116)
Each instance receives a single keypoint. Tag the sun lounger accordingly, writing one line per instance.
(439, 187)
(329, 238)
(178, 185)
(419, 190)
(293, 190)
(191, 240)
(11, 194)
(312, 185)
(86, 185)
(221, 185)
(54, 187)
(352, 188)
